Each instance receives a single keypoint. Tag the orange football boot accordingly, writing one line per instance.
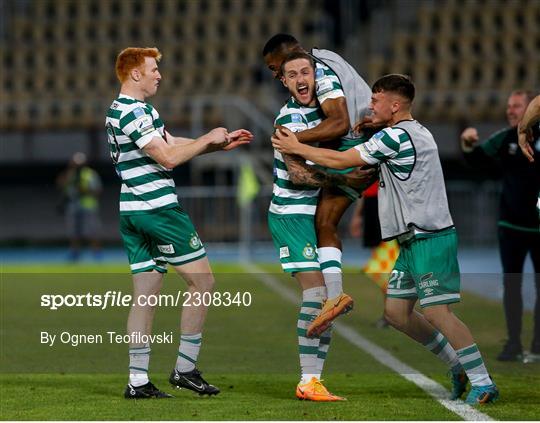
(314, 390)
(332, 308)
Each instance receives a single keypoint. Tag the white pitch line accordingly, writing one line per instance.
(436, 390)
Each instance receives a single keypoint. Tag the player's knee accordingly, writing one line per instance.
(436, 315)
(395, 318)
(202, 282)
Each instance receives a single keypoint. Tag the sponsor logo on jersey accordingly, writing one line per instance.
(309, 252)
(426, 282)
(324, 86)
(166, 249)
(426, 276)
(296, 118)
(138, 112)
(194, 241)
(144, 124)
(319, 73)
(366, 148)
(284, 252)
(378, 135)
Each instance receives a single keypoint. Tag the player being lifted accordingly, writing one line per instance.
(154, 228)
(414, 209)
(343, 97)
(291, 221)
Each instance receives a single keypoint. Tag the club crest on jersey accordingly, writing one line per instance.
(194, 241)
(309, 252)
(296, 118)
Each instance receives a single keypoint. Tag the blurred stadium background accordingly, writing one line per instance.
(57, 81)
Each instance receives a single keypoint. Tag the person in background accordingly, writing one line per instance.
(519, 232)
(81, 188)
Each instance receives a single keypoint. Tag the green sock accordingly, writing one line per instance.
(471, 360)
(440, 346)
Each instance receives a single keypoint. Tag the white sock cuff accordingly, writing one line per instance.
(308, 376)
(194, 336)
(145, 349)
(329, 253)
(138, 379)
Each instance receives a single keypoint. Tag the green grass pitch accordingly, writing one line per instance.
(249, 352)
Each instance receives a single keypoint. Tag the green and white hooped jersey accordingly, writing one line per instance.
(327, 84)
(146, 185)
(392, 146)
(412, 193)
(288, 198)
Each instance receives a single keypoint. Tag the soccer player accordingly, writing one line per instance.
(154, 228)
(291, 223)
(414, 209)
(518, 230)
(343, 96)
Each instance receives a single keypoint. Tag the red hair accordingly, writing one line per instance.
(133, 57)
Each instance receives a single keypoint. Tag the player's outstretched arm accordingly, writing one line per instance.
(335, 125)
(177, 140)
(532, 115)
(234, 140)
(286, 142)
(301, 173)
(172, 155)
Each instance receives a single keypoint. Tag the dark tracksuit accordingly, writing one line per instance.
(519, 225)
